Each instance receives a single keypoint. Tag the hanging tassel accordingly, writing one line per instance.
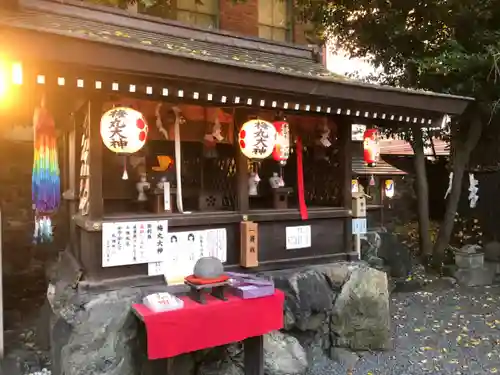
(372, 180)
(257, 177)
(45, 181)
(125, 174)
(43, 229)
(282, 174)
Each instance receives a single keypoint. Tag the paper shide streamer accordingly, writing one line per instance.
(45, 182)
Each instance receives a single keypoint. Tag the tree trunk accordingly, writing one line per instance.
(461, 155)
(424, 227)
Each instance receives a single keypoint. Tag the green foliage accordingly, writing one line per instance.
(408, 234)
(146, 3)
(448, 46)
(466, 231)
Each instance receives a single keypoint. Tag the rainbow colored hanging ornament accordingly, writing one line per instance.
(45, 180)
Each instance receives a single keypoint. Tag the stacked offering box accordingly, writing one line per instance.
(249, 286)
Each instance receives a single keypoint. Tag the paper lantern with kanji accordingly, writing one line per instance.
(257, 139)
(371, 147)
(281, 150)
(123, 130)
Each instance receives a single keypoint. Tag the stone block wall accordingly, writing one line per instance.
(329, 309)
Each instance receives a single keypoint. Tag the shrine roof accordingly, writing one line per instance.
(107, 38)
(117, 27)
(359, 167)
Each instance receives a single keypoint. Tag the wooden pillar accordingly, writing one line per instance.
(96, 204)
(254, 355)
(90, 246)
(240, 117)
(345, 142)
(73, 140)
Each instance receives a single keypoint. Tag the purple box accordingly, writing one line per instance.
(249, 286)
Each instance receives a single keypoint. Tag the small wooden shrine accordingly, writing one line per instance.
(181, 142)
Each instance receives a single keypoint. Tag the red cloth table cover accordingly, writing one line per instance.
(216, 323)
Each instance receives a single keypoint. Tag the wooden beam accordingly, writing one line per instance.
(152, 87)
(344, 127)
(148, 60)
(240, 117)
(1, 293)
(96, 204)
(74, 139)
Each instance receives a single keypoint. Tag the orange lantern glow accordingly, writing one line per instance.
(281, 150)
(371, 147)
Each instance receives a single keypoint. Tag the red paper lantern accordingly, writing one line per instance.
(281, 149)
(371, 147)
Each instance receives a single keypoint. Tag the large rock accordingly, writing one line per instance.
(396, 255)
(104, 338)
(345, 357)
(492, 251)
(361, 317)
(226, 367)
(344, 304)
(475, 276)
(310, 293)
(370, 243)
(93, 333)
(283, 355)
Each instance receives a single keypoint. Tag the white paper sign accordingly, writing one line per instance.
(138, 242)
(179, 259)
(298, 237)
(184, 249)
(166, 196)
(359, 226)
(155, 269)
(216, 240)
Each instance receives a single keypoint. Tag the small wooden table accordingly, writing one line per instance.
(196, 327)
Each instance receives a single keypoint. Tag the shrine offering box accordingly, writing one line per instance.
(249, 232)
(160, 302)
(249, 286)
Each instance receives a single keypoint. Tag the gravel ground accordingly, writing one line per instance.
(438, 330)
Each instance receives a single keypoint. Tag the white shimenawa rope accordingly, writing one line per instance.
(159, 122)
(450, 183)
(177, 143)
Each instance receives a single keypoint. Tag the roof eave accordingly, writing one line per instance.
(31, 44)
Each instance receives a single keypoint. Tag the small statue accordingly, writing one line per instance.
(282, 182)
(275, 181)
(253, 183)
(324, 136)
(210, 140)
(141, 187)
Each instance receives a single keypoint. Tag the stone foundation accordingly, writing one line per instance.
(341, 305)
